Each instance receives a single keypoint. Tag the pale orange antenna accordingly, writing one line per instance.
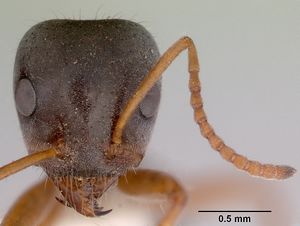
(252, 167)
(26, 161)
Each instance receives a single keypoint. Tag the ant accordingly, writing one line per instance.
(87, 95)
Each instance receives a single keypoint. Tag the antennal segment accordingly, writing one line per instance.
(252, 167)
(26, 161)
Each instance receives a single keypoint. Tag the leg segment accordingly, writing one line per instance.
(144, 182)
(33, 207)
(252, 167)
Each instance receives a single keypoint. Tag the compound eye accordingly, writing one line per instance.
(149, 105)
(25, 97)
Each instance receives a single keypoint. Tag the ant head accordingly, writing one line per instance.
(72, 80)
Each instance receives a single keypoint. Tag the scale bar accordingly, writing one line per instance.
(234, 211)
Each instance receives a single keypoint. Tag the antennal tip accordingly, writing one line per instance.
(286, 172)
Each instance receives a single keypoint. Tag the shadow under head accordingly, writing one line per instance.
(72, 79)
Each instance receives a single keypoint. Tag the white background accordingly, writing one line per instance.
(249, 54)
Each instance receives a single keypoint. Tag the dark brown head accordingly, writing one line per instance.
(71, 81)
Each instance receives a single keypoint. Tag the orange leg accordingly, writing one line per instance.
(34, 207)
(142, 182)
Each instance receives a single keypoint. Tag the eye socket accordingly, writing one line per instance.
(149, 105)
(25, 97)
